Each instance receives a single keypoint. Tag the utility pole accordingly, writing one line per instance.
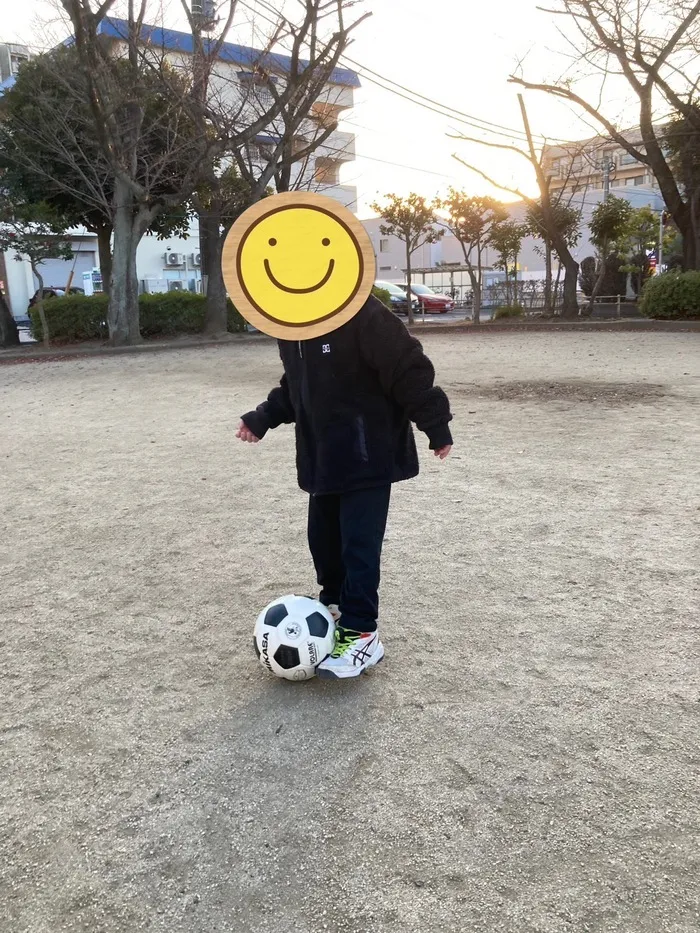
(203, 20)
(607, 166)
(661, 241)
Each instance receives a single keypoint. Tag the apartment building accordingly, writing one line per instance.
(590, 164)
(174, 264)
(11, 57)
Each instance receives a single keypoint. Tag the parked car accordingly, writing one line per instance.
(399, 302)
(51, 292)
(434, 303)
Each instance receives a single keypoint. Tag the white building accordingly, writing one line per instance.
(174, 263)
(442, 257)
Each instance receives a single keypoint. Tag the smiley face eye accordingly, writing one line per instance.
(325, 241)
(272, 241)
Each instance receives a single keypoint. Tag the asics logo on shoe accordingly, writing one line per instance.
(361, 654)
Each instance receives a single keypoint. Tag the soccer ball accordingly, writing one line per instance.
(293, 635)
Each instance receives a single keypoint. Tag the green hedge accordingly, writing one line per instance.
(506, 311)
(673, 296)
(77, 317)
(383, 295)
(72, 318)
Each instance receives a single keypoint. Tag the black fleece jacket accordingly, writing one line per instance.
(352, 395)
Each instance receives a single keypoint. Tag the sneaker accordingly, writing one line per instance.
(354, 654)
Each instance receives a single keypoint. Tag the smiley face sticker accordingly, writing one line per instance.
(298, 265)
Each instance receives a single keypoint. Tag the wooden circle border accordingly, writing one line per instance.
(237, 292)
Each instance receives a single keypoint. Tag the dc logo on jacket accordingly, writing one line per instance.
(326, 348)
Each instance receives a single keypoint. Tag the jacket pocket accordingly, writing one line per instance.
(362, 439)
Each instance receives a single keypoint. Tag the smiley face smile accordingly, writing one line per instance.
(299, 291)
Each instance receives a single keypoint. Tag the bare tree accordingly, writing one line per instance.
(544, 206)
(653, 47)
(205, 121)
(278, 95)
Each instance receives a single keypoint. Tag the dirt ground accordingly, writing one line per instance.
(525, 760)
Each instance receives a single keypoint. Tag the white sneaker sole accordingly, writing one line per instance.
(328, 674)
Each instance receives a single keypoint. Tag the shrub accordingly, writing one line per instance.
(614, 281)
(673, 296)
(77, 317)
(506, 311)
(72, 318)
(383, 295)
(172, 313)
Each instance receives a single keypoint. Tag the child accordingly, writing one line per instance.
(351, 395)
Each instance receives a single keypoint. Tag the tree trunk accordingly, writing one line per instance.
(476, 295)
(556, 287)
(690, 233)
(9, 334)
(547, 278)
(123, 309)
(598, 281)
(104, 252)
(409, 296)
(569, 308)
(45, 336)
(215, 320)
(476, 289)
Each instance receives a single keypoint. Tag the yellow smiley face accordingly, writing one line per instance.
(298, 265)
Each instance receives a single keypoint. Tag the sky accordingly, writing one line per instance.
(455, 52)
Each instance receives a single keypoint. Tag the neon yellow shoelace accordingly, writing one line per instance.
(343, 642)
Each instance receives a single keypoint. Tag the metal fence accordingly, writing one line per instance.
(530, 295)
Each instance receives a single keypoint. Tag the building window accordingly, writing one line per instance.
(625, 158)
(326, 171)
(16, 61)
(384, 268)
(384, 246)
(257, 86)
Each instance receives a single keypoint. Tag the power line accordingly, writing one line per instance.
(468, 119)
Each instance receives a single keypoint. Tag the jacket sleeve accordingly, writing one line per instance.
(406, 374)
(277, 409)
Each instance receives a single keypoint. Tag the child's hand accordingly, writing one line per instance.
(245, 434)
(443, 452)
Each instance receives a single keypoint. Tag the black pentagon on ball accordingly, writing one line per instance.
(255, 645)
(275, 614)
(287, 657)
(318, 625)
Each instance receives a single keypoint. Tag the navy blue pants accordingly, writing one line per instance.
(346, 533)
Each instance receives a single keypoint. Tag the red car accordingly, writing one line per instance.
(434, 303)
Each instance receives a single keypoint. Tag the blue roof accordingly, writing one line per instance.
(176, 41)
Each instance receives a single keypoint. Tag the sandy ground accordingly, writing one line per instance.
(526, 759)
